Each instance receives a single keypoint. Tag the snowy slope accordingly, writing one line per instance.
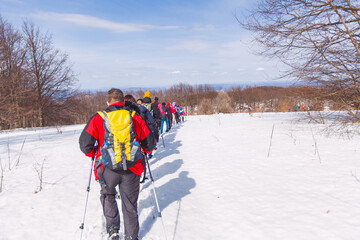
(214, 180)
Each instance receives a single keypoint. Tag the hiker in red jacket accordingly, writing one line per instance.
(169, 113)
(128, 180)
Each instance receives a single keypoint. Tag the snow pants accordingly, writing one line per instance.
(177, 117)
(170, 122)
(166, 121)
(158, 122)
(129, 191)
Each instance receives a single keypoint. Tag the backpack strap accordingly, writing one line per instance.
(102, 114)
(133, 113)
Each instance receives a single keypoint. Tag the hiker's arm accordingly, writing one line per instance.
(88, 137)
(144, 135)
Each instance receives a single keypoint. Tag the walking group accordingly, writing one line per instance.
(120, 140)
(164, 113)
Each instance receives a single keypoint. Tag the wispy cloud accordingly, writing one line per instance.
(260, 69)
(14, 1)
(175, 72)
(203, 27)
(94, 22)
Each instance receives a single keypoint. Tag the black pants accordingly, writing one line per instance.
(129, 191)
(177, 117)
(158, 122)
(170, 121)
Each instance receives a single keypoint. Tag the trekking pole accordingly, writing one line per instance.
(156, 200)
(87, 196)
(162, 137)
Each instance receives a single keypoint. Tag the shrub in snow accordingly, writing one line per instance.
(206, 107)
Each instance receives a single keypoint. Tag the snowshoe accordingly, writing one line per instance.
(114, 235)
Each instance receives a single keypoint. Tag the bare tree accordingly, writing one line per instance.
(48, 69)
(12, 81)
(318, 40)
(83, 105)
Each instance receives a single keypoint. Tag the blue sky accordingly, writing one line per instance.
(148, 43)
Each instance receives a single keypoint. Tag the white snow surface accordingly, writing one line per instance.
(218, 177)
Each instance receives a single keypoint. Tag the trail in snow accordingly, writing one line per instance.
(214, 180)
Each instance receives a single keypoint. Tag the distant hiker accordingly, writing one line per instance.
(289, 109)
(175, 112)
(147, 100)
(164, 118)
(296, 108)
(181, 113)
(168, 111)
(172, 110)
(249, 109)
(156, 112)
(124, 166)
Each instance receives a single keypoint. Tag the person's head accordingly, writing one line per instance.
(129, 98)
(163, 104)
(115, 95)
(147, 94)
(140, 101)
(156, 99)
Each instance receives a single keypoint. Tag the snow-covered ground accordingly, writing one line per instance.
(217, 178)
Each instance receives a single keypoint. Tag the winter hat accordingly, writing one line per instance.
(147, 94)
(168, 104)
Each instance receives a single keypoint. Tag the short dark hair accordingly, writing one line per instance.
(140, 100)
(156, 98)
(129, 98)
(115, 94)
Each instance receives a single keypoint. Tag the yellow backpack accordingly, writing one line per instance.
(120, 149)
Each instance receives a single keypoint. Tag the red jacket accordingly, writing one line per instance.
(94, 132)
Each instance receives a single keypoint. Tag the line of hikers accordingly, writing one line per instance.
(164, 113)
(119, 140)
(299, 108)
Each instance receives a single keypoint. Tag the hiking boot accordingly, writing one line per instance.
(114, 235)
